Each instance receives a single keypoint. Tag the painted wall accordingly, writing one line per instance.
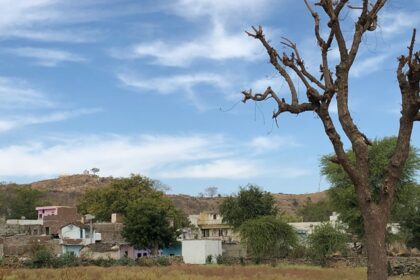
(75, 249)
(172, 251)
(46, 211)
(196, 251)
(72, 232)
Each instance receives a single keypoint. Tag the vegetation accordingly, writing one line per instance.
(316, 212)
(326, 240)
(332, 89)
(342, 194)
(249, 203)
(153, 222)
(268, 237)
(282, 272)
(19, 201)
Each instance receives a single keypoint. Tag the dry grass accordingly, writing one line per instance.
(189, 272)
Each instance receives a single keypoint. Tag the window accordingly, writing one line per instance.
(126, 254)
(138, 255)
(214, 216)
(222, 232)
(205, 232)
(39, 216)
(81, 233)
(47, 230)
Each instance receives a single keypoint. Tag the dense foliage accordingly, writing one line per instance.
(19, 201)
(316, 211)
(250, 202)
(326, 240)
(151, 220)
(342, 195)
(268, 237)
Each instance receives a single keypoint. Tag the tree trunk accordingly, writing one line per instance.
(375, 231)
(155, 250)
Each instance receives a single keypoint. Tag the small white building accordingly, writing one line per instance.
(197, 251)
(74, 236)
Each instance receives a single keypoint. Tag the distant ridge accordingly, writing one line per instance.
(67, 189)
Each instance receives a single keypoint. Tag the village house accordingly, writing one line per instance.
(211, 226)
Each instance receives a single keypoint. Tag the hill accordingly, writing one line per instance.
(66, 190)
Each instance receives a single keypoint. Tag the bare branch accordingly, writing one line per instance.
(300, 63)
(259, 34)
(410, 48)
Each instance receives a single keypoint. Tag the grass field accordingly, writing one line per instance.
(190, 272)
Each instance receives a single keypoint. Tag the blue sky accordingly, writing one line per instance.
(153, 87)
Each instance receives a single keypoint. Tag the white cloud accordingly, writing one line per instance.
(159, 156)
(17, 94)
(184, 85)
(266, 143)
(216, 45)
(394, 23)
(46, 57)
(231, 169)
(7, 124)
(365, 66)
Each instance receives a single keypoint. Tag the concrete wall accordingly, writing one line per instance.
(72, 232)
(196, 251)
(75, 249)
(234, 250)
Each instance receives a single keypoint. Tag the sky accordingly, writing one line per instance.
(154, 88)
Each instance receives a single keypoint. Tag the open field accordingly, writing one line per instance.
(193, 272)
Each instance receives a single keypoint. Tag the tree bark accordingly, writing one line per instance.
(375, 228)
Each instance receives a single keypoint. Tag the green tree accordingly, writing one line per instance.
(115, 197)
(268, 237)
(316, 212)
(153, 222)
(250, 202)
(408, 215)
(342, 194)
(326, 240)
(20, 201)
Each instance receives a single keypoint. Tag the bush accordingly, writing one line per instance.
(163, 261)
(220, 259)
(268, 237)
(209, 259)
(66, 260)
(326, 240)
(104, 262)
(125, 261)
(42, 258)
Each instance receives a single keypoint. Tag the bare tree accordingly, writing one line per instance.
(320, 92)
(211, 191)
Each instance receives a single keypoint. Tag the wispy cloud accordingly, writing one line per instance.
(184, 85)
(7, 124)
(46, 57)
(18, 94)
(365, 66)
(217, 45)
(161, 156)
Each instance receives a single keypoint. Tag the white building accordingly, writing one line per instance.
(197, 251)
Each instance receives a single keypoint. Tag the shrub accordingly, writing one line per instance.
(163, 261)
(42, 258)
(220, 259)
(125, 261)
(209, 259)
(104, 262)
(268, 237)
(326, 240)
(67, 260)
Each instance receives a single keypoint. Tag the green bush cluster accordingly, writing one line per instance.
(44, 258)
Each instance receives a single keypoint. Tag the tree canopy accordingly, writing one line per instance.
(250, 202)
(268, 236)
(20, 201)
(152, 222)
(115, 197)
(343, 197)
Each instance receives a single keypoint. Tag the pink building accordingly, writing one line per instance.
(45, 211)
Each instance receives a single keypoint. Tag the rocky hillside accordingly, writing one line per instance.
(66, 190)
